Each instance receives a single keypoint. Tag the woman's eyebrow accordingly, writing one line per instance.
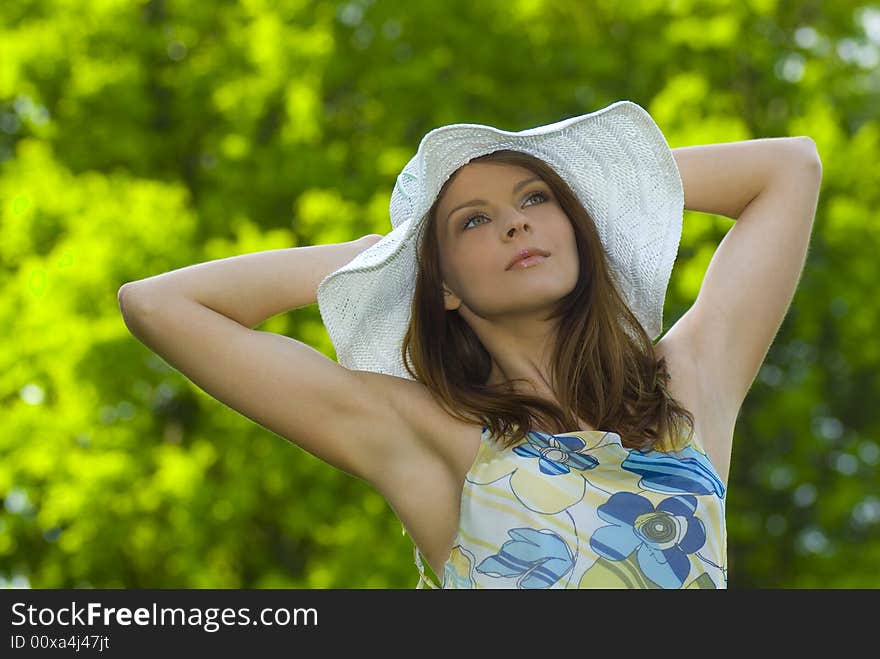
(477, 202)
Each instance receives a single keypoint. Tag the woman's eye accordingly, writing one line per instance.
(473, 217)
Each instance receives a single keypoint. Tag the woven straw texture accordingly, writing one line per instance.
(617, 162)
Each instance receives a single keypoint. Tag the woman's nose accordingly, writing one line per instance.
(515, 220)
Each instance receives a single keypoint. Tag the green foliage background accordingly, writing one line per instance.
(139, 137)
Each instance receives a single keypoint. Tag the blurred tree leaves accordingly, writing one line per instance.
(139, 137)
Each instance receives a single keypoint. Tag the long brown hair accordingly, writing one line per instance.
(604, 367)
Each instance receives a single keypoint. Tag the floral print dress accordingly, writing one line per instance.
(579, 510)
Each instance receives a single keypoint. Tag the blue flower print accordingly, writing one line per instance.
(541, 558)
(687, 470)
(556, 454)
(663, 537)
(546, 471)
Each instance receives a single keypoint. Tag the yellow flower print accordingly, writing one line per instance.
(547, 470)
(457, 573)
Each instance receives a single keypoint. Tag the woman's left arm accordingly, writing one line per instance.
(771, 187)
(723, 178)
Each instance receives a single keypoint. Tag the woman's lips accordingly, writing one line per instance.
(528, 262)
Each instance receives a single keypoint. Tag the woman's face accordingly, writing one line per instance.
(514, 209)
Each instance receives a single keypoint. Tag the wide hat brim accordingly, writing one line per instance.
(616, 160)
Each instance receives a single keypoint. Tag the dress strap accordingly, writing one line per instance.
(423, 578)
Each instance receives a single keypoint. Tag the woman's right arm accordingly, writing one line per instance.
(199, 319)
(252, 287)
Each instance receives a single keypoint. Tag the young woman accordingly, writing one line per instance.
(497, 380)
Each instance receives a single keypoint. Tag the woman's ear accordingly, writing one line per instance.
(450, 300)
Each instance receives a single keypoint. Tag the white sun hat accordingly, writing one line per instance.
(617, 162)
